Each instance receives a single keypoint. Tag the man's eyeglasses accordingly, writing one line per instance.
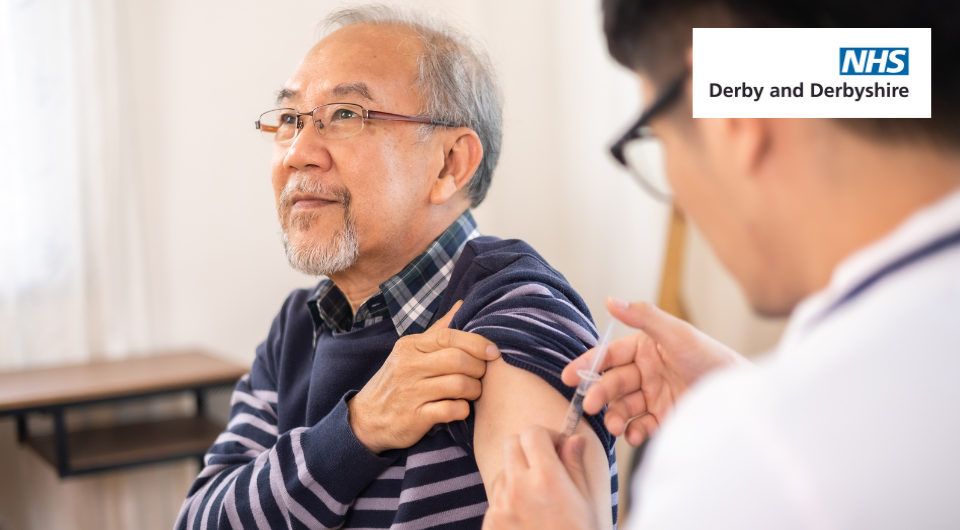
(333, 120)
(642, 153)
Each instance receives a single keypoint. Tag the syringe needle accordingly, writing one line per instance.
(587, 378)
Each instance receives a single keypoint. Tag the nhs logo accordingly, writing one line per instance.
(874, 61)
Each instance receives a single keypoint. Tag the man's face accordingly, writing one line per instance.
(731, 208)
(355, 198)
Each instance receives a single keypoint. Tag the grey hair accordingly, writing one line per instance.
(456, 80)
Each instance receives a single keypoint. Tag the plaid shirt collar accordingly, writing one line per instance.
(410, 298)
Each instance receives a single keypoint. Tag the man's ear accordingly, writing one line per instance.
(744, 142)
(462, 155)
(752, 138)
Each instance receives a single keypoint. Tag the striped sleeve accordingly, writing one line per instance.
(255, 477)
(539, 330)
(540, 325)
(536, 328)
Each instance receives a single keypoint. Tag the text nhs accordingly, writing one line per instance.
(874, 61)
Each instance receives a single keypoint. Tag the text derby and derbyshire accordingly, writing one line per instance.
(816, 90)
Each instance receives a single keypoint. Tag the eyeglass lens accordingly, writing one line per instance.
(645, 159)
(337, 120)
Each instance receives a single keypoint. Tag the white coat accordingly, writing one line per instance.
(852, 422)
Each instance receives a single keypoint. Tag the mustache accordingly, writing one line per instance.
(300, 183)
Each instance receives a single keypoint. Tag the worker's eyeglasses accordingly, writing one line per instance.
(333, 120)
(642, 153)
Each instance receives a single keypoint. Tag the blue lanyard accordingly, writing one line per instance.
(941, 244)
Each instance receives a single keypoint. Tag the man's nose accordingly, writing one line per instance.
(308, 149)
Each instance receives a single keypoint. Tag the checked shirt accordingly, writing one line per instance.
(409, 298)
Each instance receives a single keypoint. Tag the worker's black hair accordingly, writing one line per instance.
(652, 36)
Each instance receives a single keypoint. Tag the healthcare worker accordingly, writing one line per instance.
(851, 227)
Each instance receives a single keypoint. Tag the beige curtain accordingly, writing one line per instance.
(72, 273)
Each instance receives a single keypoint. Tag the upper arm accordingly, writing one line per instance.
(514, 398)
(540, 326)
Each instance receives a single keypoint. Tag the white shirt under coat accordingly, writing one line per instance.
(853, 422)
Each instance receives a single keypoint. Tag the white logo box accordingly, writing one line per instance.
(776, 58)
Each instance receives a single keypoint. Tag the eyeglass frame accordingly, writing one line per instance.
(640, 130)
(364, 115)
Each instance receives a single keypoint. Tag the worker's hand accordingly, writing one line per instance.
(426, 380)
(645, 373)
(538, 489)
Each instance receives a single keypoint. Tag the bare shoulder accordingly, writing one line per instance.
(514, 398)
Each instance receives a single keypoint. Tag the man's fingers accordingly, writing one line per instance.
(451, 386)
(444, 321)
(444, 411)
(475, 345)
(614, 383)
(455, 361)
(661, 326)
(440, 336)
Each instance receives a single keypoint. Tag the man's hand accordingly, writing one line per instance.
(426, 380)
(647, 372)
(537, 489)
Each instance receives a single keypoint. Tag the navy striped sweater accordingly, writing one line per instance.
(289, 459)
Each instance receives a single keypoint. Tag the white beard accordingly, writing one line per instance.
(337, 255)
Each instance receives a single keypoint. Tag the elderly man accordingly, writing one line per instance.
(363, 408)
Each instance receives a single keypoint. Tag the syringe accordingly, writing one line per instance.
(587, 378)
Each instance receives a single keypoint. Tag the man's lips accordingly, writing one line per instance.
(301, 203)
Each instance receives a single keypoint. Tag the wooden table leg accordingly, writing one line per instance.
(63, 450)
(22, 428)
(201, 401)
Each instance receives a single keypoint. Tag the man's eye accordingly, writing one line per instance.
(345, 114)
(288, 119)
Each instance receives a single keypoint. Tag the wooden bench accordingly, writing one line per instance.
(53, 390)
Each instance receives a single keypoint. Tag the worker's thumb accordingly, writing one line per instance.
(659, 325)
(571, 454)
